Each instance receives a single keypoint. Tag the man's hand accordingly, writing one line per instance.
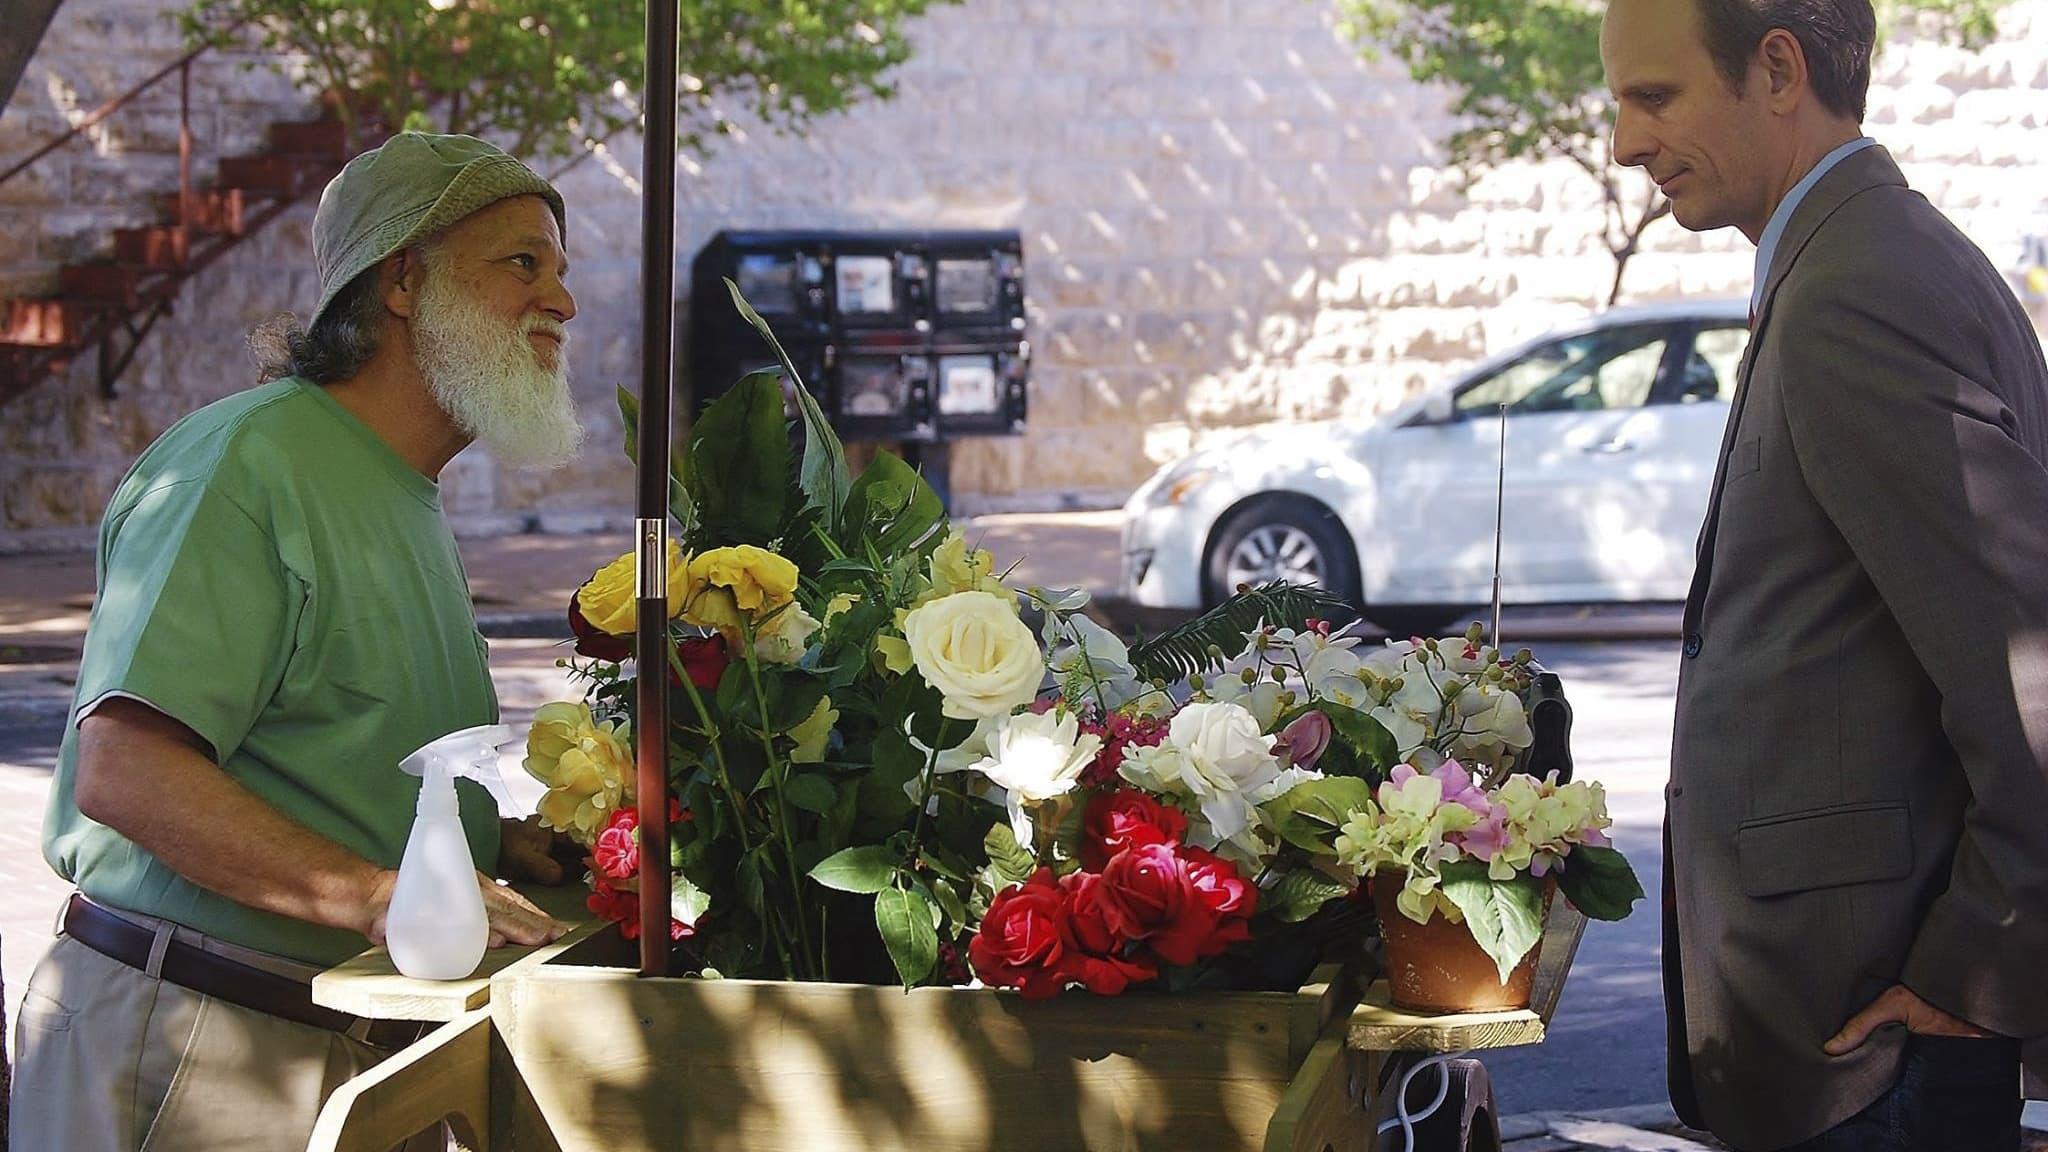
(1899, 1005)
(528, 851)
(513, 918)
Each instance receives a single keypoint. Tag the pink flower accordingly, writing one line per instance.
(1304, 741)
(1487, 838)
(1118, 732)
(1461, 788)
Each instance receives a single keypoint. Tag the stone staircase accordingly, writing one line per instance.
(108, 305)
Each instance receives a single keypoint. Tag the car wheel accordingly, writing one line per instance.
(1279, 537)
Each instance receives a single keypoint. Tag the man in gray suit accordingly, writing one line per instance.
(1856, 913)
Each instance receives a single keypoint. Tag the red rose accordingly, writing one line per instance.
(616, 853)
(621, 906)
(596, 644)
(1147, 895)
(1022, 941)
(704, 658)
(1098, 958)
(1228, 896)
(1126, 818)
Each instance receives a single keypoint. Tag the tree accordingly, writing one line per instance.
(545, 77)
(1526, 83)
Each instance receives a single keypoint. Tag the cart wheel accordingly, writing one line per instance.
(1464, 1122)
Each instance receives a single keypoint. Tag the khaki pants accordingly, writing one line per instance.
(110, 1059)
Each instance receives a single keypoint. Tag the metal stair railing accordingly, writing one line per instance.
(122, 304)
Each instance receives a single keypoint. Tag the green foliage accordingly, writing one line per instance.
(1526, 83)
(824, 472)
(1184, 651)
(1310, 814)
(1360, 745)
(866, 869)
(738, 462)
(549, 77)
(1300, 894)
(1504, 916)
(1599, 883)
(907, 923)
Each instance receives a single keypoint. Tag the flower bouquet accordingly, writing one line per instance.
(891, 765)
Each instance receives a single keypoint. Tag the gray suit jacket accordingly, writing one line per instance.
(1859, 784)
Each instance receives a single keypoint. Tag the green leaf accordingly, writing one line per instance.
(1009, 860)
(738, 463)
(1307, 814)
(1504, 916)
(864, 868)
(687, 902)
(1363, 736)
(1301, 894)
(823, 471)
(894, 505)
(950, 903)
(884, 805)
(905, 921)
(1599, 883)
(812, 793)
(679, 503)
(1184, 651)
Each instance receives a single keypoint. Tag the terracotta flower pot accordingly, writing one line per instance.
(1439, 967)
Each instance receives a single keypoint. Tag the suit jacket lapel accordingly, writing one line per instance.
(1873, 167)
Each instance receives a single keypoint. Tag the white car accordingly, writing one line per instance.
(1613, 430)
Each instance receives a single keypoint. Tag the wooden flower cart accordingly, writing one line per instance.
(568, 1048)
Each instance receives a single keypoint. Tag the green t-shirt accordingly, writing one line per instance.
(276, 578)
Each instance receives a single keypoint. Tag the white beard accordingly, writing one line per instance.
(485, 375)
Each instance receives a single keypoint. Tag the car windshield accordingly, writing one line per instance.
(1610, 368)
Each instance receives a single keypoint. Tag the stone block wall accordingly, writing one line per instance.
(1230, 219)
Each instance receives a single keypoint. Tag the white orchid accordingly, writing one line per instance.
(1033, 758)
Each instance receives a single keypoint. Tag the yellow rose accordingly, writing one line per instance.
(972, 648)
(759, 579)
(811, 735)
(957, 568)
(607, 600)
(588, 768)
(737, 583)
(892, 652)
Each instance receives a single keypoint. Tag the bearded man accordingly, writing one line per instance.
(282, 617)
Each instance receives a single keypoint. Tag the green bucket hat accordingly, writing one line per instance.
(411, 187)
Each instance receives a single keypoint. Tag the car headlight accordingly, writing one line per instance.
(1179, 485)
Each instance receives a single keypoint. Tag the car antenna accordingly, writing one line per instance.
(1499, 505)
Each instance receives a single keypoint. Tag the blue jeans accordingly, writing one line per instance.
(1955, 1094)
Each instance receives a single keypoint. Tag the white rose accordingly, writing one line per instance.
(1034, 758)
(783, 639)
(1225, 756)
(974, 650)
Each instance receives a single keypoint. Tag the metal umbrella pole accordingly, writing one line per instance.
(657, 357)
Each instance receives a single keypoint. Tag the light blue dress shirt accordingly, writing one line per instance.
(1767, 246)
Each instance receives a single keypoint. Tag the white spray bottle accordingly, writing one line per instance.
(436, 928)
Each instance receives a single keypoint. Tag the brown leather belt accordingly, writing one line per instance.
(208, 974)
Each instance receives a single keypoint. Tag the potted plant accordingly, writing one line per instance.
(1464, 852)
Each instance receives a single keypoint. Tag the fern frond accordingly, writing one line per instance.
(1184, 651)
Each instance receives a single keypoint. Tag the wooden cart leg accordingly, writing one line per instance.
(445, 1075)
